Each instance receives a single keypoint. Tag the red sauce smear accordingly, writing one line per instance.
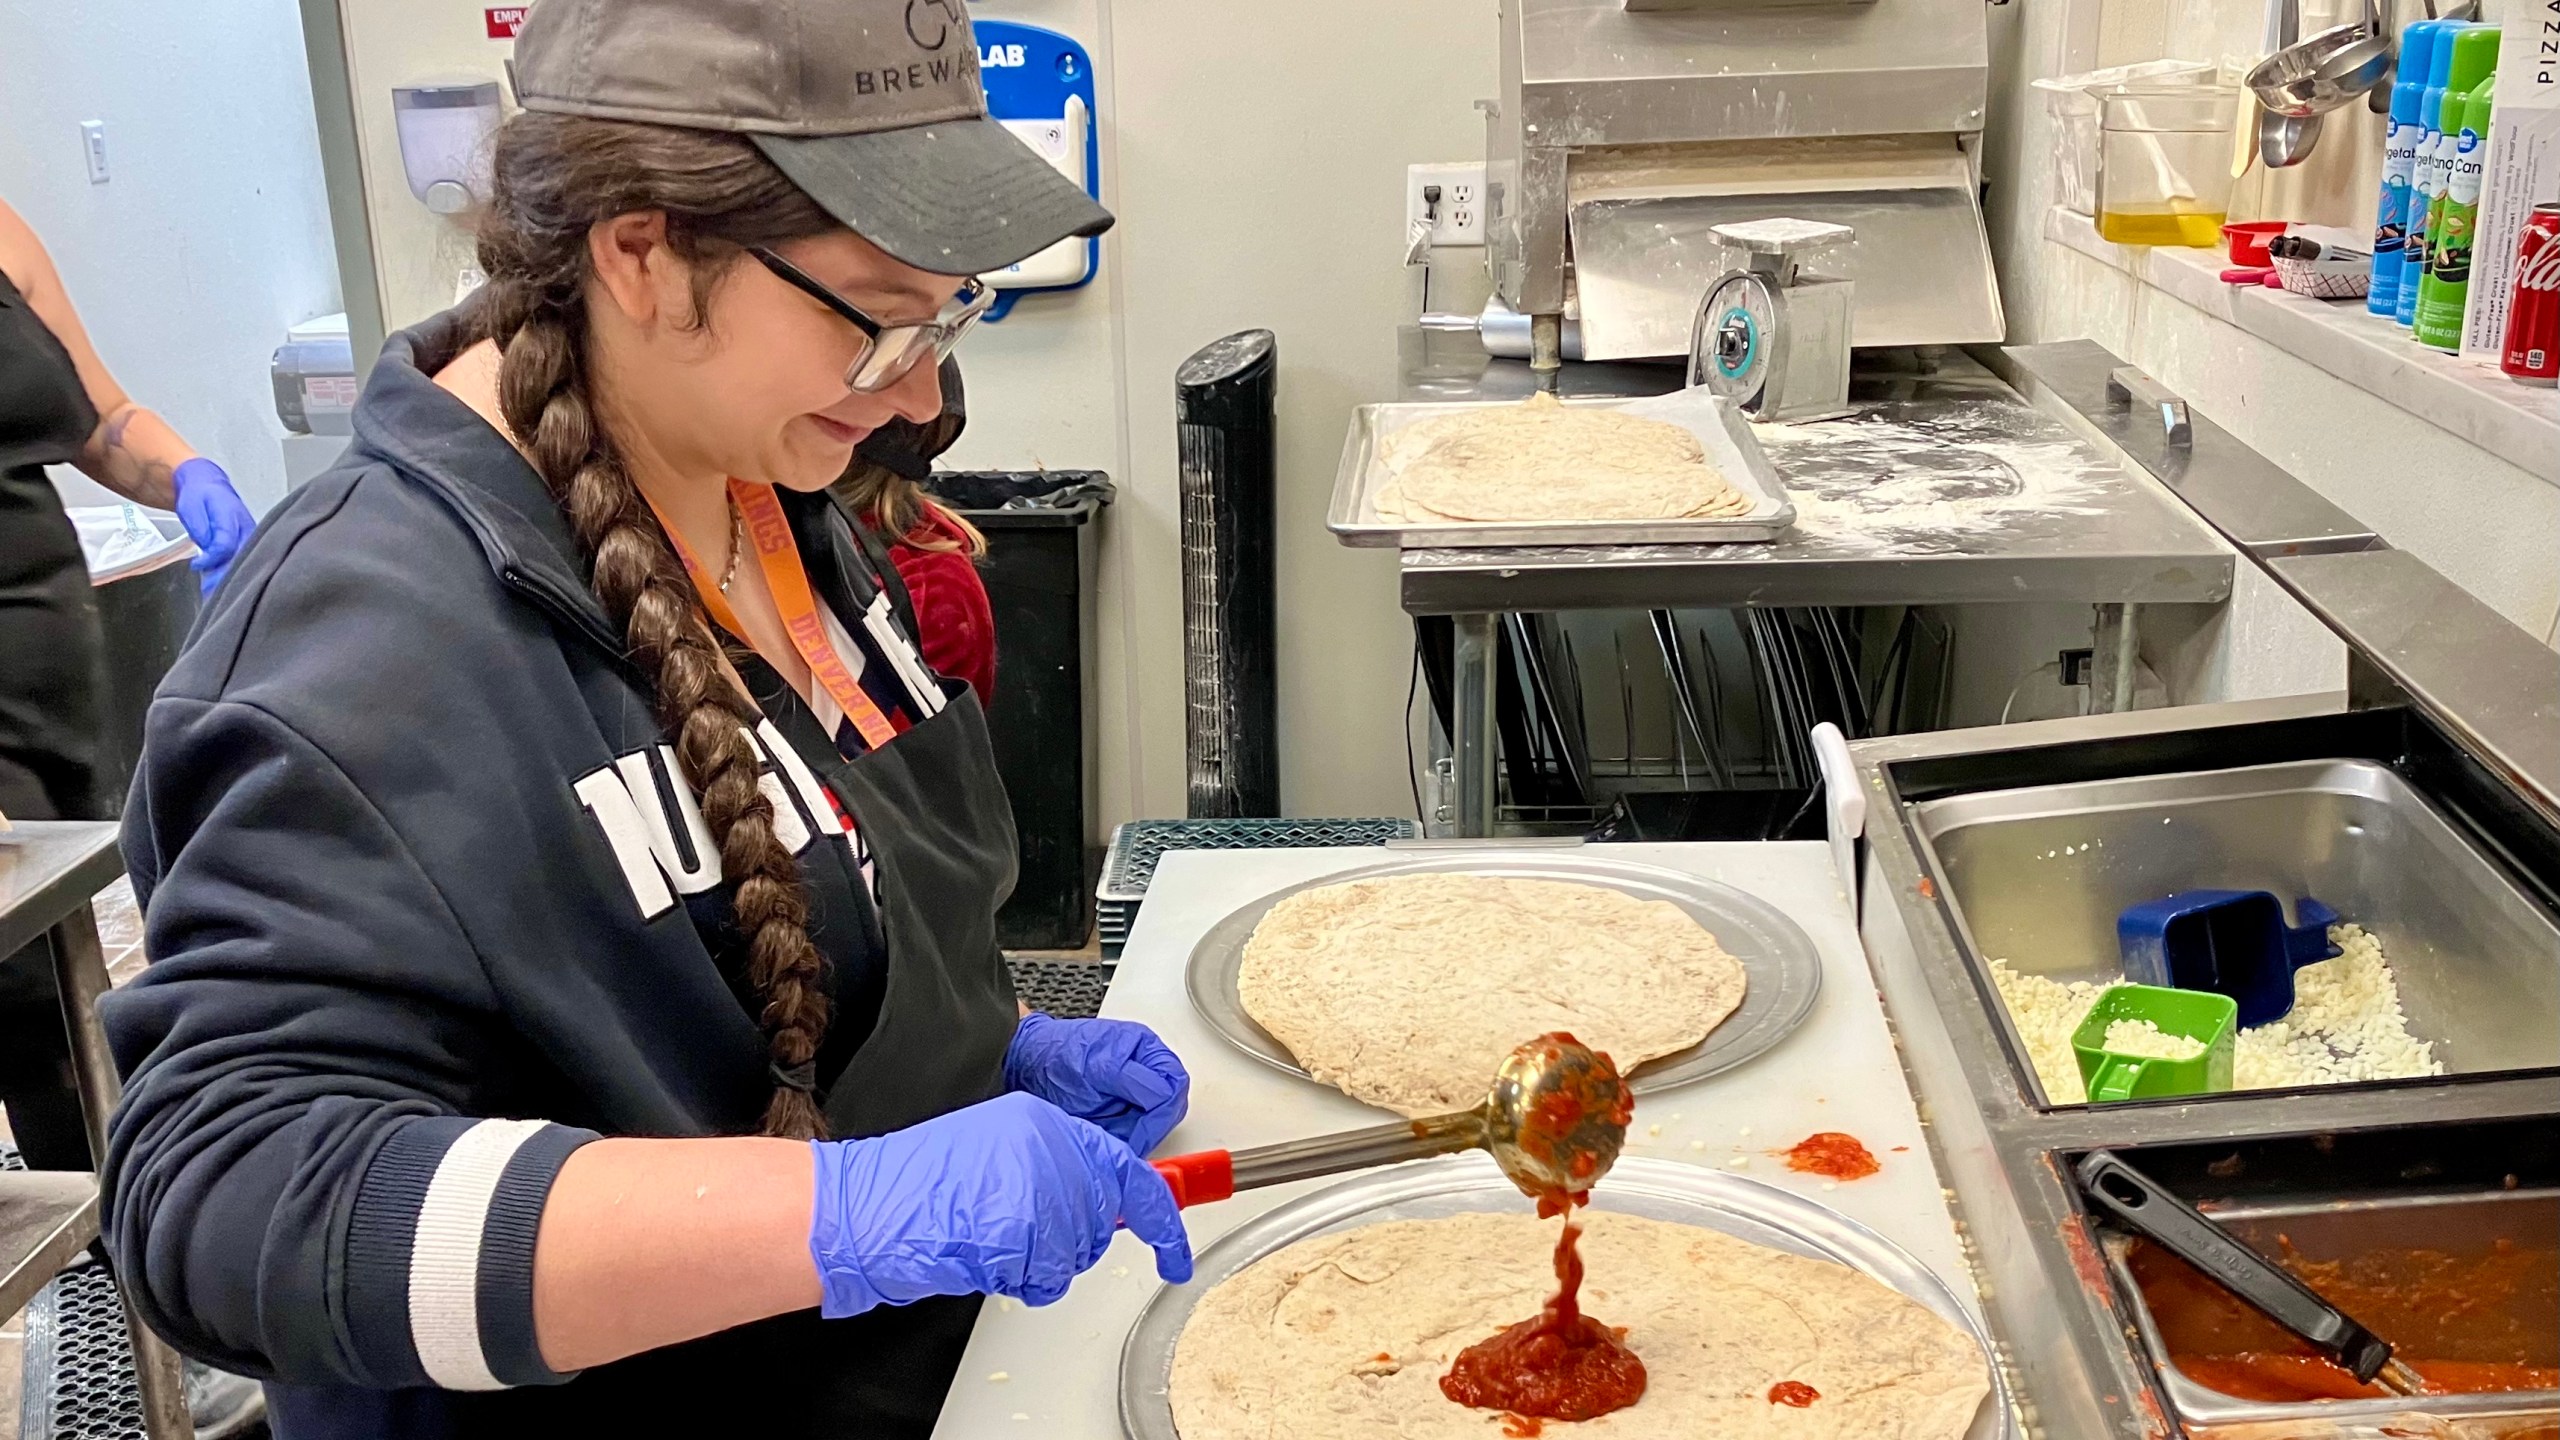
(1793, 1392)
(1522, 1427)
(1831, 1153)
(1562, 1365)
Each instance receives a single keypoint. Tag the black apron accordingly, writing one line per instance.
(932, 809)
(52, 675)
(51, 659)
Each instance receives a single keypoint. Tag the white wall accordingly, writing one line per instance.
(211, 235)
(1255, 155)
(2483, 520)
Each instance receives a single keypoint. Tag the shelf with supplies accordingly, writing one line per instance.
(2465, 395)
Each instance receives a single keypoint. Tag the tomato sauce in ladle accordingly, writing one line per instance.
(1562, 1114)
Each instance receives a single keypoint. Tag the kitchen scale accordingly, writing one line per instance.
(1771, 336)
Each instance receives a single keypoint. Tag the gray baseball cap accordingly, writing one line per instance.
(871, 106)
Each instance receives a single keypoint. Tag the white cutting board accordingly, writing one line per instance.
(1060, 1365)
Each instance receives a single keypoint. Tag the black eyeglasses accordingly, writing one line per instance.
(893, 349)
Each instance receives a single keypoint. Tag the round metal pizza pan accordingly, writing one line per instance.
(1782, 974)
(1458, 1184)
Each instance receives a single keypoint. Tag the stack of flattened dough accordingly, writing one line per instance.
(1545, 461)
(1347, 1335)
(1407, 991)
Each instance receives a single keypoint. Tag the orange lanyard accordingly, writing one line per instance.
(769, 531)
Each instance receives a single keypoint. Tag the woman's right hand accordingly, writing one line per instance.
(1010, 1197)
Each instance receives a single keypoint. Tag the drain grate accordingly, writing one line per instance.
(1130, 863)
(79, 1364)
(1068, 989)
(76, 1367)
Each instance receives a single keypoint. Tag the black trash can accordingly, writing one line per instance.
(1039, 579)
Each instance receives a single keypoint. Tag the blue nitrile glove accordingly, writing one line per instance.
(214, 516)
(1009, 1197)
(1115, 1073)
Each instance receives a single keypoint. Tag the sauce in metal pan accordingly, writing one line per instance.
(2482, 1323)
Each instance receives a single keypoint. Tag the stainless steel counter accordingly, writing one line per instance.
(1943, 487)
(2414, 634)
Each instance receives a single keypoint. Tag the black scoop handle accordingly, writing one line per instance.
(2141, 1204)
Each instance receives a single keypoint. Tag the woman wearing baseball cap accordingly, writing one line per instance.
(574, 996)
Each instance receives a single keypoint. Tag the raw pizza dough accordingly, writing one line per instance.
(1542, 460)
(1407, 991)
(1291, 1347)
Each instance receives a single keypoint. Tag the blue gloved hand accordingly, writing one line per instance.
(1115, 1073)
(214, 515)
(1009, 1197)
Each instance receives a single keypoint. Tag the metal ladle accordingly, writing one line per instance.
(2284, 140)
(1554, 1120)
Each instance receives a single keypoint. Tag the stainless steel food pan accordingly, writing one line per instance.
(2399, 1237)
(2036, 877)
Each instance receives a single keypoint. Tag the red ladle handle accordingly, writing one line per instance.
(1200, 1177)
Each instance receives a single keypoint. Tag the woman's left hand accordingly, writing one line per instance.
(1114, 1073)
(214, 516)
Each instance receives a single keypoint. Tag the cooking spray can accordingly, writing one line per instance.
(2399, 159)
(2447, 289)
(2426, 176)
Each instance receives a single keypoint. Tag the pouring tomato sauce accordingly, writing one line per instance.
(1561, 1364)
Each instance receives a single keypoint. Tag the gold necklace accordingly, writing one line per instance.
(737, 544)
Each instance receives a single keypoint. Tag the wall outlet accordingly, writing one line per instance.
(1458, 218)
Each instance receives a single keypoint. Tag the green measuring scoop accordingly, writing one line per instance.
(2200, 1015)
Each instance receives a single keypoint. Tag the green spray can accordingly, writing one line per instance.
(2469, 96)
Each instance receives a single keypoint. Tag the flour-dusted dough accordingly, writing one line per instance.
(1346, 1336)
(1542, 460)
(1407, 991)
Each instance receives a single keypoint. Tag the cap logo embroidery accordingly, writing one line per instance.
(934, 19)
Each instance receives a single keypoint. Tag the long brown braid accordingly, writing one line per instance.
(553, 178)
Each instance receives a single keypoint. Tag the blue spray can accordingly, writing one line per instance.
(2433, 167)
(2399, 162)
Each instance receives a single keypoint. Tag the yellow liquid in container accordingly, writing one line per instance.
(2201, 228)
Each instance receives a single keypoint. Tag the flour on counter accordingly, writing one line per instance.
(1921, 489)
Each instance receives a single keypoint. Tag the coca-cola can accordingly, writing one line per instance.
(2533, 311)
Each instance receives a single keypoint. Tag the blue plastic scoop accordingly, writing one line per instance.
(2230, 942)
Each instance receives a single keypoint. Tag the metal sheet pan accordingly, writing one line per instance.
(1353, 515)
(1782, 972)
(1453, 1185)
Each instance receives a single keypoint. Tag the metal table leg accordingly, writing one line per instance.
(2119, 640)
(1473, 738)
(80, 969)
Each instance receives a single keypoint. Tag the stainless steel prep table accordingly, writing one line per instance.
(49, 869)
(2121, 541)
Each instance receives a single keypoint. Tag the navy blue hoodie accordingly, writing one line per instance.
(428, 908)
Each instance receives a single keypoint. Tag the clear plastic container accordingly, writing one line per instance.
(2073, 103)
(2164, 163)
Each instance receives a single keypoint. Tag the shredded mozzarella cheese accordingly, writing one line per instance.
(2346, 1025)
(2144, 1039)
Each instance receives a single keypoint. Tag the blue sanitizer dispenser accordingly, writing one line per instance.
(1040, 86)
